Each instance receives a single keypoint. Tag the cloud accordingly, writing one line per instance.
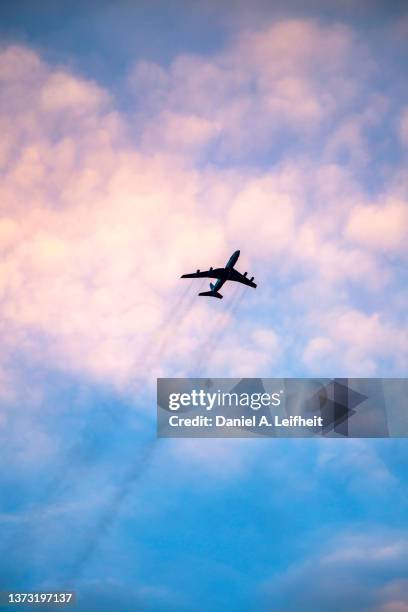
(263, 210)
(380, 227)
(102, 211)
(182, 133)
(64, 92)
(222, 459)
(255, 351)
(363, 568)
(404, 125)
(394, 596)
(350, 139)
(364, 470)
(288, 76)
(94, 235)
(355, 342)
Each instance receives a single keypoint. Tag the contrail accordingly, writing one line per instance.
(157, 347)
(173, 313)
(218, 329)
(215, 332)
(177, 319)
(51, 492)
(111, 512)
(176, 315)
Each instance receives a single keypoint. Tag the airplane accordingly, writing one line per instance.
(222, 275)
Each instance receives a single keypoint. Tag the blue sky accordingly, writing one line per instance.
(144, 140)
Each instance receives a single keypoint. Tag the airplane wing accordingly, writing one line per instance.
(211, 273)
(241, 278)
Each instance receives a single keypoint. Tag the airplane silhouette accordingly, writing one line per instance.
(223, 275)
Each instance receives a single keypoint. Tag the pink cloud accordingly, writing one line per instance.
(64, 92)
(382, 227)
(404, 126)
(94, 232)
(394, 597)
(182, 133)
(292, 74)
(352, 342)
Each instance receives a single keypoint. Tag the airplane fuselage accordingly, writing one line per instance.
(228, 266)
(232, 260)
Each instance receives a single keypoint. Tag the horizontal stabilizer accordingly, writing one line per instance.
(212, 294)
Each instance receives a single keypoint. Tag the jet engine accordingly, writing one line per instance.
(252, 279)
(245, 273)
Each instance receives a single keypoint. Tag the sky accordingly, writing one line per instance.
(143, 140)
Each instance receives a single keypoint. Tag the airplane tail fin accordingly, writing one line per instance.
(212, 294)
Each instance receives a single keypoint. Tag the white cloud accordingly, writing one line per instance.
(382, 227)
(366, 471)
(354, 342)
(362, 567)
